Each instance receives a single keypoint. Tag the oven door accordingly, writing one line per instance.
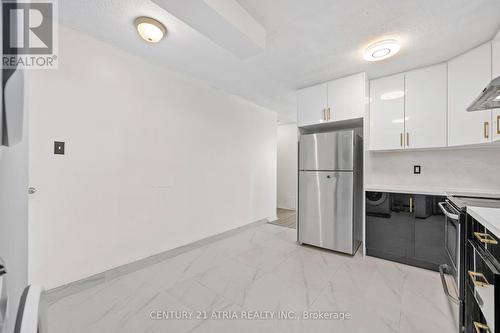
(452, 238)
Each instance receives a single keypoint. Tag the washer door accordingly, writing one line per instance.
(375, 198)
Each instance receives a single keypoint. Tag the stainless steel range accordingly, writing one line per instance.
(455, 210)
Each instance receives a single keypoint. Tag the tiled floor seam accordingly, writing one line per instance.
(55, 294)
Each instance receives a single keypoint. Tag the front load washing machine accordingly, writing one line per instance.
(378, 204)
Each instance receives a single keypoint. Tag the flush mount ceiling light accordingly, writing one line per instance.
(150, 29)
(381, 50)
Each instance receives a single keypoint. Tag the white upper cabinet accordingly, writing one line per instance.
(496, 73)
(312, 105)
(347, 97)
(336, 100)
(496, 124)
(387, 113)
(468, 75)
(426, 107)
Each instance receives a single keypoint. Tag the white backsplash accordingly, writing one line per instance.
(468, 168)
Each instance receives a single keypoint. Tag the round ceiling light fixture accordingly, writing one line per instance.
(150, 29)
(381, 50)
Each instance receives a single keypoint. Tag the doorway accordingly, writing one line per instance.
(287, 138)
(286, 218)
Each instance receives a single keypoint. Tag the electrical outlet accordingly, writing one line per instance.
(58, 148)
(416, 169)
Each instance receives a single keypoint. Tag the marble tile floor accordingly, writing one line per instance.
(286, 218)
(260, 269)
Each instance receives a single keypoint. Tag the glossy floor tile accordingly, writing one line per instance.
(286, 218)
(244, 282)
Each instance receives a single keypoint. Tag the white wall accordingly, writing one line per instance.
(467, 168)
(287, 166)
(14, 220)
(154, 161)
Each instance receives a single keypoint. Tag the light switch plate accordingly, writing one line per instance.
(58, 148)
(416, 169)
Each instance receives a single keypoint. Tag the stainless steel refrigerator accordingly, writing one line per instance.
(331, 190)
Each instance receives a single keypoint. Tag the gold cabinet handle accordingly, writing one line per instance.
(498, 124)
(401, 139)
(324, 114)
(411, 204)
(486, 130)
(478, 279)
(329, 115)
(485, 238)
(481, 328)
(407, 139)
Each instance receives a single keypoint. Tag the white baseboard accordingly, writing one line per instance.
(71, 288)
(272, 218)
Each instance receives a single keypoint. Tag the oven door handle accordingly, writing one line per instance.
(442, 268)
(447, 213)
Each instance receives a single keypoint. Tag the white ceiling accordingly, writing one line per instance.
(307, 41)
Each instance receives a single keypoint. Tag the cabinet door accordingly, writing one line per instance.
(312, 104)
(496, 124)
(347, 97)
(473, 313)
(429, 231)
(426, 107)
(495, 74)
(387, 113)
(468, 75)
(389, 224)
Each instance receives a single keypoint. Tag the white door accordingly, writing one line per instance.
(14, 161)
(312, 104)
(347, 97)
(426, 107)
(468, 75)
(387, 113)
(496, 73)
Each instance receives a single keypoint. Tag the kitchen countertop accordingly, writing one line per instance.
(406, 189)
(489, 217)
(428, 190)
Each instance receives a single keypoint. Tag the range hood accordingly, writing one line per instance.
(489, 97)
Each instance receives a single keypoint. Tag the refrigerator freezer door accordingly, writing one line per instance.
(326, 210)
(327, 151)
